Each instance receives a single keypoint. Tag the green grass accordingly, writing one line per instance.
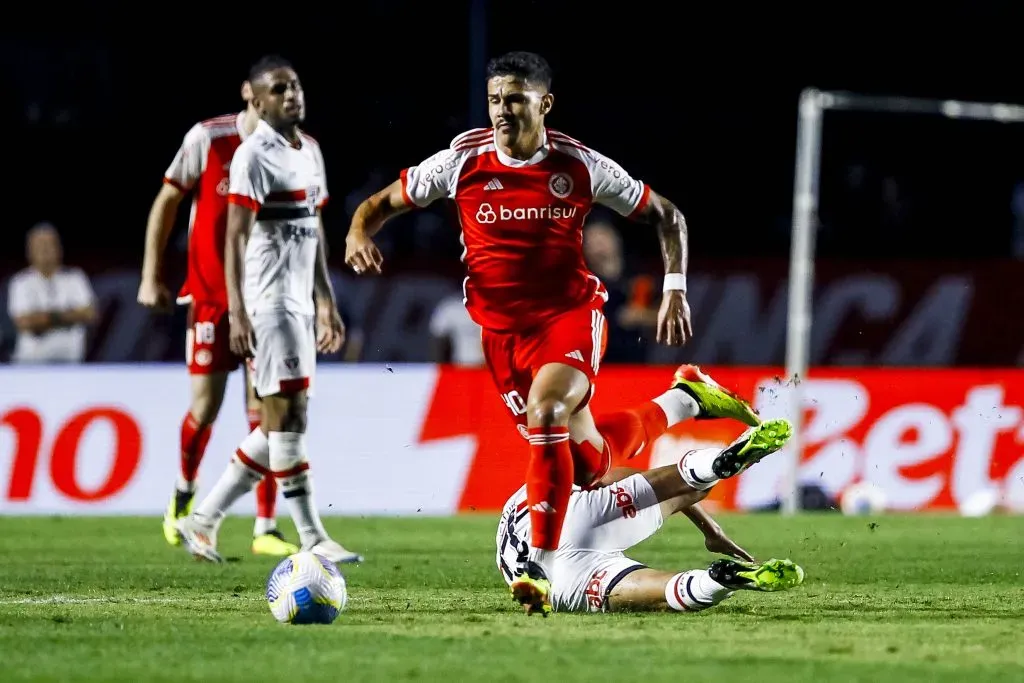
(905, 599)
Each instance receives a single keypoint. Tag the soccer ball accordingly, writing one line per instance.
(862, 498)
(306, 589)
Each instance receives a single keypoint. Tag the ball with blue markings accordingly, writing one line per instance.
(306, 588)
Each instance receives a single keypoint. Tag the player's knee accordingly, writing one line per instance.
(548, 412)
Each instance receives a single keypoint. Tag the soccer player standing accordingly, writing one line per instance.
(522, 192)
(201, 167)
(281, 307)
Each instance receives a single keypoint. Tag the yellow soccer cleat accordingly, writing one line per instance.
(272, 543)
(179, 506)
(532, 589)
(714, 400)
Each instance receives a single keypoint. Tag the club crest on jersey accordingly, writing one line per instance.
(560, 185)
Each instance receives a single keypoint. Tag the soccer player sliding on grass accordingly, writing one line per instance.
(594, 573)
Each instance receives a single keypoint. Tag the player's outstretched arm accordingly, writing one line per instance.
(674, 328)
(361, 254)
(152, 291)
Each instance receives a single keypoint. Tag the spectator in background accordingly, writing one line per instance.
(50, 305)
(631, 310)
(456, 338)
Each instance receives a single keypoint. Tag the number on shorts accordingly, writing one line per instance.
(514, 402)
(204, 333)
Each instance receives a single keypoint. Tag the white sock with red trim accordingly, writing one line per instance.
(694, 591)
(250, 464)
(290, 466)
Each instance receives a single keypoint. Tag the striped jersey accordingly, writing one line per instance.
(201, 167)
(285, 186)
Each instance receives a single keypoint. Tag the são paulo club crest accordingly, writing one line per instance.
(560, 185)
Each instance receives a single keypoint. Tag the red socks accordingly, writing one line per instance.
(194, 438)
(266, 490)
(549, 477)
(627, 432)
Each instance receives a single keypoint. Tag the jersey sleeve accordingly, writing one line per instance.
(20, 298)
(248, 180)
(433, 179)
(82, 295)
(190, 161)
(322, 170)
(614, 188)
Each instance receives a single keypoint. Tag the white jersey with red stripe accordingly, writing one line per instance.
(286, 186)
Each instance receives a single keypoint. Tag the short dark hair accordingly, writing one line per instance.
(266, 64)
(527, 66)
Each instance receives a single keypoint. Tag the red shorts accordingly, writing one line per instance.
(207, 340)
(577, 338)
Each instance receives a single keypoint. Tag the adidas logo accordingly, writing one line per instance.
(495, 184)
(575, 355)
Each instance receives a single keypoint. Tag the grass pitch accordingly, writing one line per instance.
(922, 598)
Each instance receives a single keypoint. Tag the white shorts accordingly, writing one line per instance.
(284, 359)
(599, 527)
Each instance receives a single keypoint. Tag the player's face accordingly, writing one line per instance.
(516, 107)
(279, 98)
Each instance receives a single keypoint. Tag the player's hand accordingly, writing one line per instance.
(723, 545)
(330, 330)
(154, 296)
(362, 255)
(241, 338)
(674, 319)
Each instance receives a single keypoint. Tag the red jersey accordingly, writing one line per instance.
(522, 222)
(202, 164)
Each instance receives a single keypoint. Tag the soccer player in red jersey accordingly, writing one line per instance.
(521, 192)
(201, 167)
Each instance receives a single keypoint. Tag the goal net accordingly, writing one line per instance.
(947, 141)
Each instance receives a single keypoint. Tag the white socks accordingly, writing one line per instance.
(694, 591)
(289, 464)
(263, 525)
(696, 468)
(678, 406)
(241, 475)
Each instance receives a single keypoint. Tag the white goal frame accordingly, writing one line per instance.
(813, 105)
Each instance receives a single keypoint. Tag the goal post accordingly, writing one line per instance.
(813, 104)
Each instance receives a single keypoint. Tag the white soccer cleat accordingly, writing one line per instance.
(199, 539)
(335, 552)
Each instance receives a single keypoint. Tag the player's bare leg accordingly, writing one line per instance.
(207, 395)
(556, 392)
(284, 419)
(267, 539)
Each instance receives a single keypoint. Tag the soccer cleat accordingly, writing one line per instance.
(713, 400)
(199, 539)
(272, 543)
(770, 576)
(531, 589)
(752, 445)
(179, 506)
(335, 552)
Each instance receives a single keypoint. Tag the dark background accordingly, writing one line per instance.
(697, 99)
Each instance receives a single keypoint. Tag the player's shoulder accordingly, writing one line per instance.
(23, 278)
(475, 139)
(221, 126)
(570, 145)
(308, 139)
